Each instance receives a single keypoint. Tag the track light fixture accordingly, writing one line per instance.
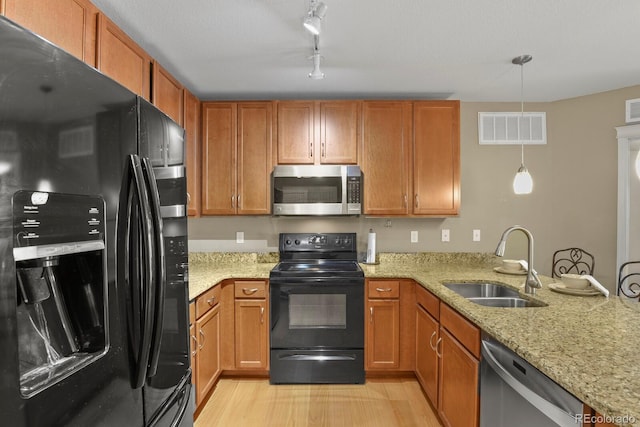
(312, 22)
(522, 182)
(316, 74)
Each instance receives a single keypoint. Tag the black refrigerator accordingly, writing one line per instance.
(93, 247)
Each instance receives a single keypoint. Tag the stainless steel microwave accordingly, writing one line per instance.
(316, 190)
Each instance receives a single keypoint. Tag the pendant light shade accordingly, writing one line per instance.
(522, 182)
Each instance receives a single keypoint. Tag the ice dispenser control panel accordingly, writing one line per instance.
(41, 218)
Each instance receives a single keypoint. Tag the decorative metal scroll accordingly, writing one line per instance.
(629, 284)
(572, 261)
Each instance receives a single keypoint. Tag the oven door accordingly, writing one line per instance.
(317, 313)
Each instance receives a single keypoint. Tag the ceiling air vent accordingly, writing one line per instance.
(512, 128)
(632, 110)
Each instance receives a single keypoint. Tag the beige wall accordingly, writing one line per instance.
(573, 202)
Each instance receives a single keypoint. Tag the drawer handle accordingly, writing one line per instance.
(211, 300)
(249, 291)
(203, 337)
(433, 347)
(437, 352)
(194, 351)
(383, 289)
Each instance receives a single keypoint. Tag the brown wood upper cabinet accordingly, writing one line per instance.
(386, 139)
(192, 151)
(120, 58)
(236, 158)
(411, 157)
(167, 93)
(70, 24)
(436, 157)
(317, 132)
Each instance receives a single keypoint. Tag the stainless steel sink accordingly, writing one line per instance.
(508, 302)
(492, 294)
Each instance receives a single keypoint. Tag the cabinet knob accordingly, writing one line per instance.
(211, 300)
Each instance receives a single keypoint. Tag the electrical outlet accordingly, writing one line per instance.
(414, 237)
(387, 223)
(239, 236)
(476, 235)
(445, 234)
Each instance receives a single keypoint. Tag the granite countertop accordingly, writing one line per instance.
(589, 345)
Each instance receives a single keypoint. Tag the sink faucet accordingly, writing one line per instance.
(533, 281)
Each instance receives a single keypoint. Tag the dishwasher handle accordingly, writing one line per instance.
(552, 411)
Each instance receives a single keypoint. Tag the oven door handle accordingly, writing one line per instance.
(558, 415)
(316, 357)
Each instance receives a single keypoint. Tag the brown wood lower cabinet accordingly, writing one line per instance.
(389, 326)
(251, 325)
(207, 335)
(447, 360)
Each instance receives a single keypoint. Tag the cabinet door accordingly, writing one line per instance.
(70, 24)
(426, 356)
(120, 58)
(458, 389)
(385, 157)
(167, 94)
(254, 158)
(383, 334)
(192, 151)
(219, 122)
(338, 132)
(252, 344)
(436, 157)
(295, 130)
(208, 356)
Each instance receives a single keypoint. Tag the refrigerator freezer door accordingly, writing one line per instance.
(64, 128)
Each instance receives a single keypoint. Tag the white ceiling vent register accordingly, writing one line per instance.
(529, 128)
(632, 110)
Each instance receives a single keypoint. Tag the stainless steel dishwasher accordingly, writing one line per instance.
(514, 393)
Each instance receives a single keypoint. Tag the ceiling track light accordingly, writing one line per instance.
(522, 182)
(316, 13)
(316, 74)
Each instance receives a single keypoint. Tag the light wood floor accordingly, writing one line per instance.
(380, 402)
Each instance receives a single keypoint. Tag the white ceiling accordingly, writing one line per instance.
(457, 49)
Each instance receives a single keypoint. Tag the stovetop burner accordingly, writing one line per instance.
(317, 255)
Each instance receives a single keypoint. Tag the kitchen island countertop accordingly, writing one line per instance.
(589, 345)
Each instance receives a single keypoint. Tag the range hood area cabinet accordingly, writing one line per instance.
(411, 158)
(317, 132)
(236, 158)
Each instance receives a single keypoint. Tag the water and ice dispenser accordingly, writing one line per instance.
(61, 284)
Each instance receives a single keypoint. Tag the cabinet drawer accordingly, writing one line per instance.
(383, 289)
(428, 301)
(250, 289)
(464, 331)
(207, 301)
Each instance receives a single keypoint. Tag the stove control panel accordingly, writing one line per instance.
(325, 242)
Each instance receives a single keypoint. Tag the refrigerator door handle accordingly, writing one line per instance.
(159, 284)
(148, 291)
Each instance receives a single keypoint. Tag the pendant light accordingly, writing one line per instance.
(522, 183)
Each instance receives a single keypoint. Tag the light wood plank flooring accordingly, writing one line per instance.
(380, 402)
